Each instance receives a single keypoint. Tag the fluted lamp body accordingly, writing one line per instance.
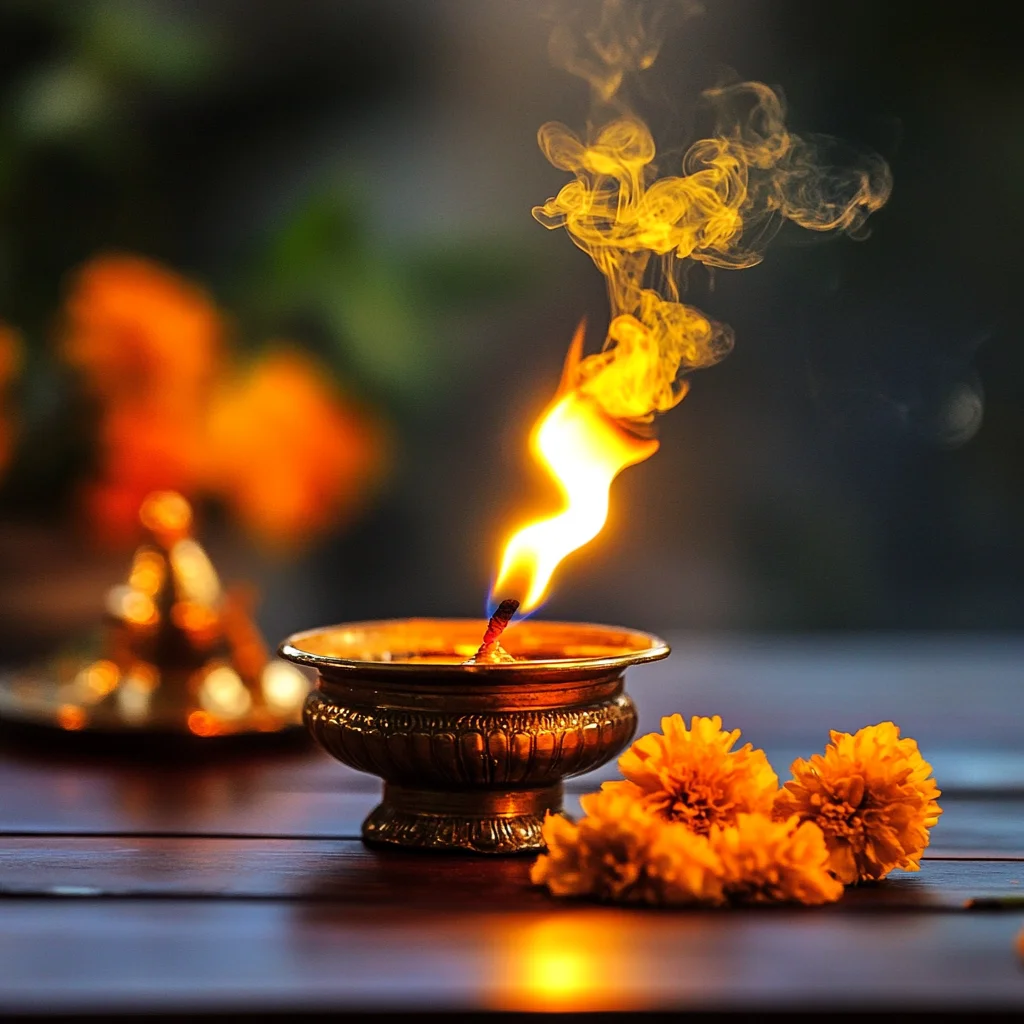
(472, 756)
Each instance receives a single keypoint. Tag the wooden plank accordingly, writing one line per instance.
(307, 769)
(981, 826)
(317, 870)
(951, 692)
(345, 871)
(289, 797)
(215, 812)
(239, 796)
(102, 956)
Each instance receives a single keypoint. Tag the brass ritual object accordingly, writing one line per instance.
(472, 755)
(177, 653)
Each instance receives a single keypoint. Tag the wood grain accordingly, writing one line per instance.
(193, 955)
(236, 883)
(348, 872)
(311, 796)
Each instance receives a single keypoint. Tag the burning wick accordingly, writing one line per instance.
(490, 651)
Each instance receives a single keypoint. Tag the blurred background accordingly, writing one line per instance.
(280, 257)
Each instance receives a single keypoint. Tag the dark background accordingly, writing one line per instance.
(854, 464)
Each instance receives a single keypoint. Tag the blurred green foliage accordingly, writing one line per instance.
(384, 304)
(110, 110)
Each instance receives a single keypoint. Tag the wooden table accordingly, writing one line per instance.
(240, 885)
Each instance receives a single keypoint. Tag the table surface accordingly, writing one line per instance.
(240, 885)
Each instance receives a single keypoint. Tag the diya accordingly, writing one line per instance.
(474, 739)
(472, 753)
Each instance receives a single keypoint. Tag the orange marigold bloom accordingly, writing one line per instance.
(10, 364)
(874, 798)
(623, 852)
(148, 345)
(10, 354)
(141, 451)
(137, 330)
(693, 775)
(275, 442)
(766, 861)
(287, 453)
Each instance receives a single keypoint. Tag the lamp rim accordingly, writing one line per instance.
(614, 647)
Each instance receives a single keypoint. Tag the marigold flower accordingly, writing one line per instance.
(141, 450)
(136, 330)
(873, 797)
(148, 345)
(694, 776)
(766, 861)
(10, 364)
(287, 452)
(623, 852)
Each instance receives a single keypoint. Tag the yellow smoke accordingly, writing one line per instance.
(734, 191)
(605, 42)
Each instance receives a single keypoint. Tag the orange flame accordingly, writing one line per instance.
(584, 450)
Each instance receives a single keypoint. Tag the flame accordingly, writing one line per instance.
(735, 190)
(584, 450)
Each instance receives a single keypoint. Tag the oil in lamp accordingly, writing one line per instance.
(179, 654)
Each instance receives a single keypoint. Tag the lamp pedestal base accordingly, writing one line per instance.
(483, 821)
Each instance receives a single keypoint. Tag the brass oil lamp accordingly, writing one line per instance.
(472, 754)
(473, 740)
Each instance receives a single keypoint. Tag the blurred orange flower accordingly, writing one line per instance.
(137, 331)
(288, 455)
(274, 441)
(10, 364)
(141, 450)
(148, 344)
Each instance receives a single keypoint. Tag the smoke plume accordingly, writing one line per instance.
(721, 207)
